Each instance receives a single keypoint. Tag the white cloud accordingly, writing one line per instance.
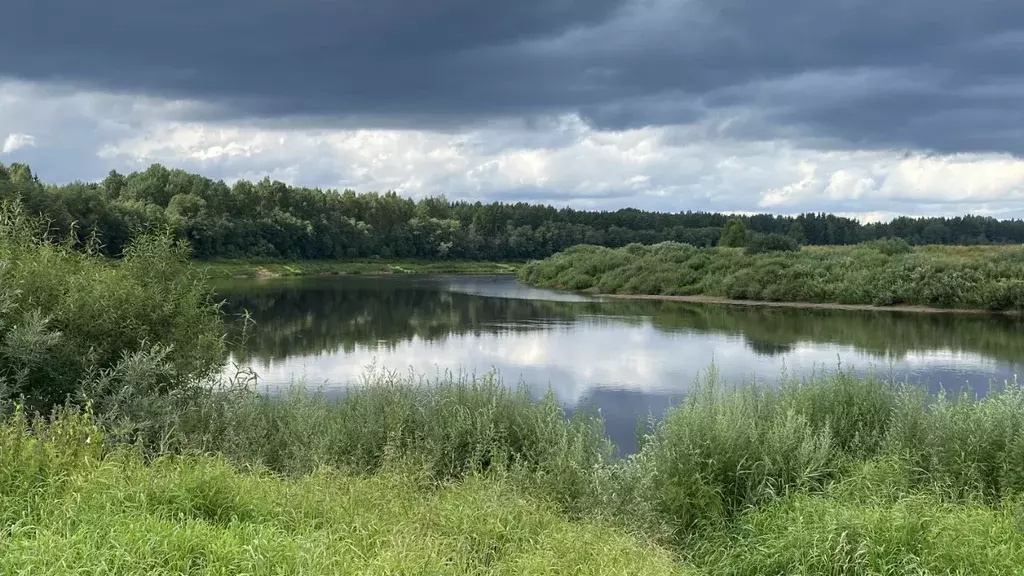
(16, 141)
(560, 160)
(914, 184)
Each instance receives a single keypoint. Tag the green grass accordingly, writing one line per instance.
(272, 268)
(718, 454)
(71, 509)
(879, 274)
(837, 475)
(869, 524)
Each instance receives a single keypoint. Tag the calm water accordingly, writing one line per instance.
(627, 358)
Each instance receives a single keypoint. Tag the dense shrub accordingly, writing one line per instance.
(734, 234)
(880, 273)
(453, 426)
(870, 524)
(891, 246)
(761, 243)
(69, 317)
(837, 471)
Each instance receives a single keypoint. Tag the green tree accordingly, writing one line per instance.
(734, 234)
(114, 184)
(935, 233)
(796, 232)
(758, 243)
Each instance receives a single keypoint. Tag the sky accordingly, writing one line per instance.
(867, 108)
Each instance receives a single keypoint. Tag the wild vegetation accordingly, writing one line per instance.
(220, 269)
(881, 273)
(73, 504)
(134, 455)
(69, 320)
(269, 220)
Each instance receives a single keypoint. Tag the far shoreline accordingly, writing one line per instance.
(266, 269)
(701, 299)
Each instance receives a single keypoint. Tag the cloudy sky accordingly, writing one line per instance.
(864, 107)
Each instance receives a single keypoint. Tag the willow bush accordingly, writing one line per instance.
(883, 273)
(71, 318)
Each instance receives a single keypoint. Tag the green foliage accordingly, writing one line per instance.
(861, 527)
(891, 246)
(762, 243)
(448, 428)
(271, 220)
(796, 232)
(734, 235)
(834, 474)
(723, 451)
(941, 277)
(70, 319)
(224, 269)
(831, 475)
(68, 508)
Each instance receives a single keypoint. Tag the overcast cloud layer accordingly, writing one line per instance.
(870, 107)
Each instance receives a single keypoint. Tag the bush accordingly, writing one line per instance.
(734, 234)
(761, 243)
(72, 317)
(773, 267)
(891, 246)
(450, 427)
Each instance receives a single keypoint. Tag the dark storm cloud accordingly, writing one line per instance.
(944, 75)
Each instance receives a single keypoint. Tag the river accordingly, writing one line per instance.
(627, 358)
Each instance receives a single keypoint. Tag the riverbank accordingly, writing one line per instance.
(882, 275)
(827, 476)
(808, 305)
(219, 269)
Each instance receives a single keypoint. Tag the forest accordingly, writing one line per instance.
(272, 220)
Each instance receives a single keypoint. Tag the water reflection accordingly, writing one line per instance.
(625, 357)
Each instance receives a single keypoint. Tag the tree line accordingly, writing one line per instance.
(270, 219)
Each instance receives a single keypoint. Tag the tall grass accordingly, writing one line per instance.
(720, 452)
(69, 508)
(870, 523)
(450, 427)
(874, 273)
(837, 475)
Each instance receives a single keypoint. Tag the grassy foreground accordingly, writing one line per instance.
(274, 268)
(880, 273)
(834, 476)
(68, 508)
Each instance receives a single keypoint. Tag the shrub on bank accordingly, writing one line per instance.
(869, 524)
(762, 243)
(69, 317)
(450, 427)
(775, 269)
